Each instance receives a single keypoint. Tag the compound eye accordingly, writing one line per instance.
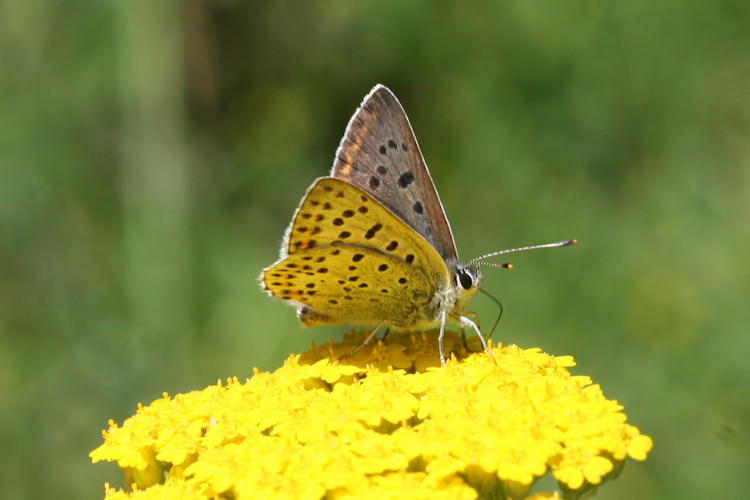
(466, 279)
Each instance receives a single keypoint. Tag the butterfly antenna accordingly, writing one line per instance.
(500, 305)
(520, 249)
(504, 265)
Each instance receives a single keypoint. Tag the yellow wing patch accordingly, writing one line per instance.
(335, 212)
(344, 283)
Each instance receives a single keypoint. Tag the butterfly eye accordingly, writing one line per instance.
(465, 279)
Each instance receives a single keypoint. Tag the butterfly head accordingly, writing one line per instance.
(467, 280)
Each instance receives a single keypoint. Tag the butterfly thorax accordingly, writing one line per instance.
(453, 298)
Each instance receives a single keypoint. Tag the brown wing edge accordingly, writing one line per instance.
(448, 252)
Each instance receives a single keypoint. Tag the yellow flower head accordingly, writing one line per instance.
(388, 421)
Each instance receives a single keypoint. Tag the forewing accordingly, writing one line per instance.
(379, 153)
(334, 211)
(343, 283)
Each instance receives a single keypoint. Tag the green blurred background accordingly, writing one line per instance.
(152, 154)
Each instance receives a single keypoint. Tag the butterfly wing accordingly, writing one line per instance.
(379, 153)
(334, 211)
(344, 283)
(340, 238)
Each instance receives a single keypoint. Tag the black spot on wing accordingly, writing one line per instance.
(374, 229)
(405, 180)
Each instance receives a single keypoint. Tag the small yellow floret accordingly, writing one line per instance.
(387, 422)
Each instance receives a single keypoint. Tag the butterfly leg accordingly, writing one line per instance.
(387, 331)
(440, 337)
(364, 342)
(475, 317)
(463, 339)
(468, 322)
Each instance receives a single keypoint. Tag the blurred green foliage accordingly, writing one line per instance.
(152, 153)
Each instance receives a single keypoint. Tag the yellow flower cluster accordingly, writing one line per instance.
(387, 422)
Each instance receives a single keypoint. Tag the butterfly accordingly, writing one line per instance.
(371, 244)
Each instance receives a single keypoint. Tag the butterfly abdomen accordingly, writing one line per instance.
(309, 317)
